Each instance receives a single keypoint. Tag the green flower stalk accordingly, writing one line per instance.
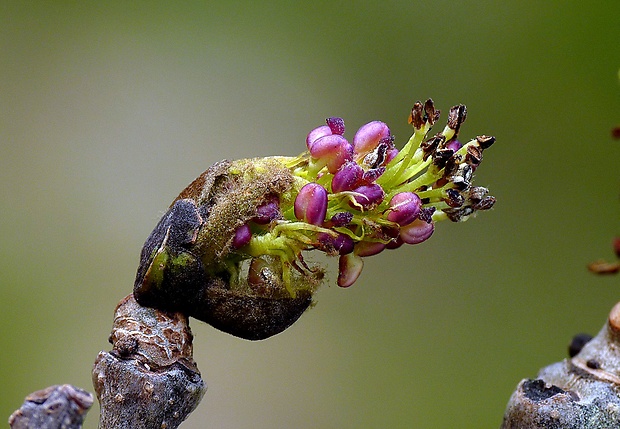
(234, 241)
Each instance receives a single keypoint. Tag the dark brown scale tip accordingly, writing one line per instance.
(456, 117)
(577, 344)
(485, 142)
(615, 132)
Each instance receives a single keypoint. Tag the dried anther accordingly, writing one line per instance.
(229, 251)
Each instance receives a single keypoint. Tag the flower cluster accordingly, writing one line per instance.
(354, 199)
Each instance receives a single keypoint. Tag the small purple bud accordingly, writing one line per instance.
(268, 211)
(454, 145)
(311, 204)
(336, 125)
(368, 195)
(316, 134)
(368, 136)
(342, 219)
(390, 154)
(334, 150)
(417, 231)
(349, 269)
(243, 234)
(347, 177)
(341, 245)
(404, 208)
(368, 248)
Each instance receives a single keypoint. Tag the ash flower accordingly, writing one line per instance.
(347, 200)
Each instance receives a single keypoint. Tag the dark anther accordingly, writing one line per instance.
(416, 118)
(477, 193)
(577, 344)
(485, 142)
(441, 157)
(454, 198)
(432, 115)
(456, 117)
(452, 165)
(474, 155)
(485, 204)
(593, 364)
(426, 214)
(459, 214)
(430, 146)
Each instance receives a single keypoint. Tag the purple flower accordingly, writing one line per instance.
(311, 204)
(349, 269)
(336, 125)
(347, 177)
(332, 151)
(368, 136)
(390, 154)
(268, 211)
(417, 231)
(368, 196)
(316, 134)
(243, 234)
(404, 208)
(341, 245)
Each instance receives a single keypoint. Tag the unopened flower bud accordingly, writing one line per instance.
(368, 196)
(341, 245)
(404, 208)
(316, 134)
(332, 151)
(368, 136)
(311, 204)
(454, 145)
(268, 211)
(417, 231)
(347, 177)
(243, 234)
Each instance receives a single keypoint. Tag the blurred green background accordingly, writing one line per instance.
(109, 109)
